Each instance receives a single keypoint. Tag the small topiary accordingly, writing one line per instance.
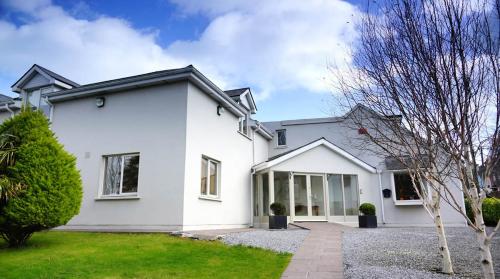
(491, 211)
(278, 209)
(367, 208)
(51, 189)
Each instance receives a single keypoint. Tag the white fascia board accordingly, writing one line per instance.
(62, 84)
(63, 96)
(310, 146)
(60, 96)
(219, 96)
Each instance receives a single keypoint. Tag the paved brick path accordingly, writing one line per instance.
(320, 255)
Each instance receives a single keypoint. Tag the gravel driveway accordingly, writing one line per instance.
(411, 253)
(277, 240)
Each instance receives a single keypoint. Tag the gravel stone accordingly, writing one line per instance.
(411, 253)
(277, 240)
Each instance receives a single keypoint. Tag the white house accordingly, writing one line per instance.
(169, 150)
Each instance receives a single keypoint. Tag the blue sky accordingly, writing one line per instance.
(281, 49)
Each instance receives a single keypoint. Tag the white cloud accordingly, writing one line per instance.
(273, 46)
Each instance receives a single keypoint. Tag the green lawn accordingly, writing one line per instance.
(124, 255)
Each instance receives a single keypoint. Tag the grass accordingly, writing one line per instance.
(127, 255)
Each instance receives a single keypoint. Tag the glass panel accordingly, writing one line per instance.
(213, 178)
(335, 195)
(351, 194)
(281, 137)
(245, 125)
(112, 175)
(204, 167)
(255, 195)
(317, 196)
(265, 194)
(300, 195)
(130, 173)
(281, 193)
(404, 187)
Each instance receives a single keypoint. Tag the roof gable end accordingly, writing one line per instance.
(320, 142)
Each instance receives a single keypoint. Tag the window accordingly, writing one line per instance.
(121, 173)
(243, 125)
(281, 137)
(403, 187)
(209, 177)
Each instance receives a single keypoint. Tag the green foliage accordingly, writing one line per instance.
(491, 211)
(468, 210)
(278, 209)
(367, 208)
(52, 190)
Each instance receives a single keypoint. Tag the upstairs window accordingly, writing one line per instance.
(281, 137)
(121, 174)
(403, 187)
(243, 125)
(210, 170)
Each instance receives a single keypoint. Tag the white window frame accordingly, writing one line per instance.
(393, 187)
(278, 138)
(243, 122)
(122, 164)
(207, 195)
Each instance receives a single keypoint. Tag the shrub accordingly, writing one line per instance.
(278, 209)
(52, 190)
(367, 208)
(491, 211)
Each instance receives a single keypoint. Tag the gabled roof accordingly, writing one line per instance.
(272, 161)
(235, 93)
(49, 75)
(4, 99)
(245, 92)
(58, 77)
(189, 73)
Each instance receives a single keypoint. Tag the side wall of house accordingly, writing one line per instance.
(416, 215)
(217, 137)
(150, 121)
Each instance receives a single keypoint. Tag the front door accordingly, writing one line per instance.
(309, 197)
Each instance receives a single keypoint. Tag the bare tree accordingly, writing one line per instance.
(429, 72)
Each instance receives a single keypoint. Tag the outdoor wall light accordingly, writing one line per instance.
(220, 110)
(99, 102)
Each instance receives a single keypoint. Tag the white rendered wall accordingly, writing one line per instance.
(218, 138)
(151, 121)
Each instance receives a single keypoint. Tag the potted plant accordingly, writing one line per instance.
(367, 218)
(279, 219)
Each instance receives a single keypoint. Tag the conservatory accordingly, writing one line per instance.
(317, 182)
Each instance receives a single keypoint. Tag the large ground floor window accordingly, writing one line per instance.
(403, 187)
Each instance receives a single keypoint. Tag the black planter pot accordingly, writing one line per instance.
(277, 222)
(367, 221)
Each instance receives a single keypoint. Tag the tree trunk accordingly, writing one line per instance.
(485, 251)
(446, 265)
(482, 237)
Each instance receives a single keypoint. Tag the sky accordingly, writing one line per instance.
(286, 51)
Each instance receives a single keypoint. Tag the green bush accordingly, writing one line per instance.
(52, 190)
(278, 209)
(491, 211)
(367, 208)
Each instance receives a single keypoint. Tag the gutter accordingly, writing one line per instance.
(379, 172)
(51, 113)
(9, 110)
